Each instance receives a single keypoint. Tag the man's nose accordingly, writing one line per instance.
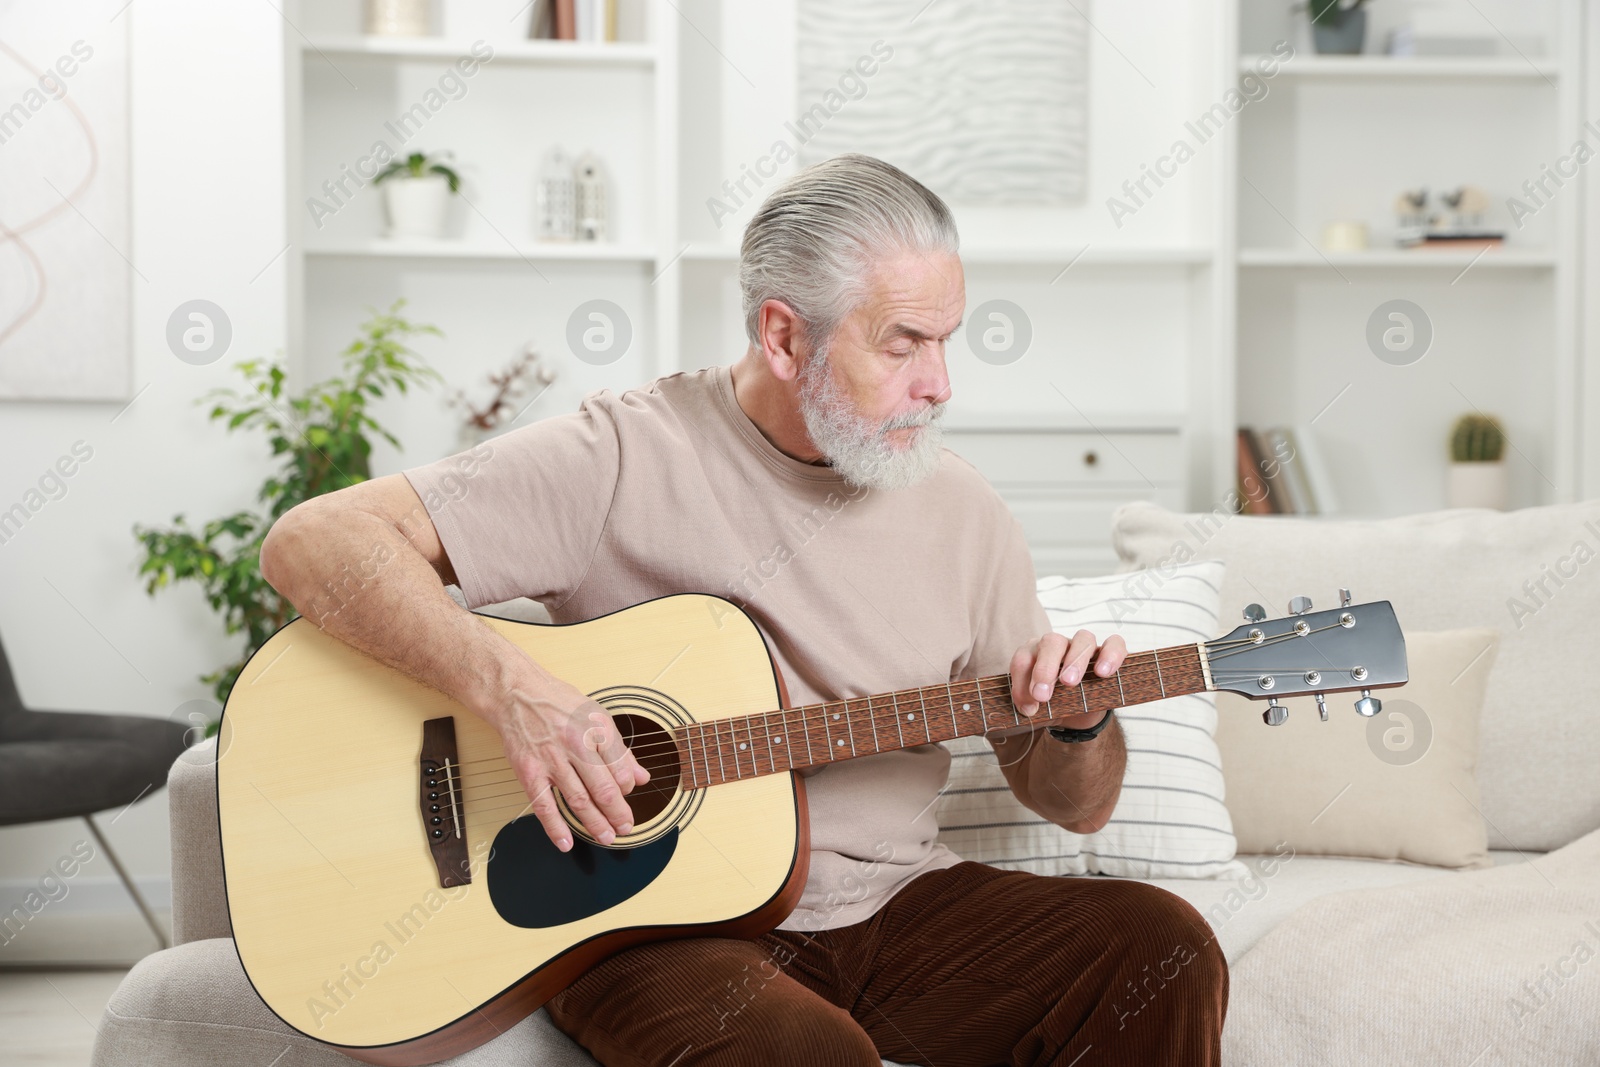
(933, 380)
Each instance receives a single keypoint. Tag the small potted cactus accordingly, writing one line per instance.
(416, 194)
(1477, 476)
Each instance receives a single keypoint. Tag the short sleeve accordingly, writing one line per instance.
(1008, 613)
(521, 515)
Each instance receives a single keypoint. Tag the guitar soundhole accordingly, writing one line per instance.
(656, 752)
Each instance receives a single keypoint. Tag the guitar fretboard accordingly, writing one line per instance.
(788, 739)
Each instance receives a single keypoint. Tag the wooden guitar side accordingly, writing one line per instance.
(337, 912)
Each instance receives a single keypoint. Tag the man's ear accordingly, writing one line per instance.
(779, 332)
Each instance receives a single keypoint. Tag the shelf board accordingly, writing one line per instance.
(1048, 255)
(1089, 256)
(1378, 68)
(452, 249)
(1389, 258)
(614, 53)
(710, 252)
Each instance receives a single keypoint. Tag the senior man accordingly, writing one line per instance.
(806, 482)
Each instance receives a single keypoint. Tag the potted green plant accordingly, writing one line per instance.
(1338, 27)
(1477, 477)
(416, 194)
(324, 438)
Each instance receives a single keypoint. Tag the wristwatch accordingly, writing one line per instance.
(1062, 733)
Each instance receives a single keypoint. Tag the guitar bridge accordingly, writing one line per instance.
(443, 819)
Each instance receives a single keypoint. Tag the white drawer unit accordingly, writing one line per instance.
(1063, 485)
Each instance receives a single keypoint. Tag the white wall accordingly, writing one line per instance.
(206, 91)
(1115, 339)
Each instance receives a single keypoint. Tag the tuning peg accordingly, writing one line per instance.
(1344, 598)
(1276, 714)
(1254, 613)
(1368, 705)
(1322, 707)
(1299, 605)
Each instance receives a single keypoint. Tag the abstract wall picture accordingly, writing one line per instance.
(983, 102)
(65, 232)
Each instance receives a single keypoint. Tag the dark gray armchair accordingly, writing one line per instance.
(61, 765)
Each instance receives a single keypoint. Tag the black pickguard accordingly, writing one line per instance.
(534, 885)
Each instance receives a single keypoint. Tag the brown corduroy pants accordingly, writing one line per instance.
(968, 965)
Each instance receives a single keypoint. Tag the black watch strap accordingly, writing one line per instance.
(1062, 733)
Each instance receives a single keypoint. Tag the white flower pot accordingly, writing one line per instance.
(1477, 485)
(417, 207)
(398, 18)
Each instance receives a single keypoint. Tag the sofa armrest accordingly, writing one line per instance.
(199, 905)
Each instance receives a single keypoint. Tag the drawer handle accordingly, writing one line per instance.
(1090, 459)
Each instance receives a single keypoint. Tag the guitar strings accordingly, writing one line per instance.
(998, 685)
(989, 689)
(994, 685)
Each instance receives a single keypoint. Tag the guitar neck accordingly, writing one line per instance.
(789, 739)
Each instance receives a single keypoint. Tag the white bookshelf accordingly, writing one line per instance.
(492, 286)
(1212, 307)
(1338, 138)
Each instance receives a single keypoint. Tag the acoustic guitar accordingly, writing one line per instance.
(392, 896)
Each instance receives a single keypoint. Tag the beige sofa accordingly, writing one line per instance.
(1340, 1001)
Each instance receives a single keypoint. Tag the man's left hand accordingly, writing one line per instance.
(1039, 665)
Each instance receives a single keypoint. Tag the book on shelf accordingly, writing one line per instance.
(1252, 487)
(1281, 472)
(1453, 241)
(574, 20)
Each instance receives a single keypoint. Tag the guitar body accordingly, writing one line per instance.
(341, 911)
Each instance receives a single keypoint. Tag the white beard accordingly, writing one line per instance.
(855, 447)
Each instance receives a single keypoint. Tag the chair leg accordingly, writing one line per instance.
(133, 890)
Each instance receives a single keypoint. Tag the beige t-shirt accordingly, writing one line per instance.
(671, 489)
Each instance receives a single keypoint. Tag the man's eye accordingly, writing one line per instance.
(901, 351)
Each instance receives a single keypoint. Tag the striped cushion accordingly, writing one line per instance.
(1170, 821)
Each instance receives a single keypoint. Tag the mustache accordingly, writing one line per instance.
(925, 417)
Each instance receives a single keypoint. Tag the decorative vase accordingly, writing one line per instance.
(398, 18)
(589, 198)
(1477, 485)
(417, 206)
(555, 198)
(1344, 38)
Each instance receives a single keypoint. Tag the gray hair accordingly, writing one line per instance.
(813, 242)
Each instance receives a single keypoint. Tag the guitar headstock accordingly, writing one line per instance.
(1354, 646)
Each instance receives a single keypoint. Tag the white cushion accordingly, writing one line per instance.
(1532, 574)
(1170, 820)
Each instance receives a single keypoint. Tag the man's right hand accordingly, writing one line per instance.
(560, 737)
(402, 616)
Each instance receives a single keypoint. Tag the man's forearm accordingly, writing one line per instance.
(357, 576)
(1073, 785)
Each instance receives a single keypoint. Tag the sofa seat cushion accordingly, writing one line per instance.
(1241, 911)
(1487, 967)
(192, 1006)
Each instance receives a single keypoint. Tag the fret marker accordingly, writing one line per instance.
(966, 707)
(836, 716)
(777, 740)
(840, 742)
(741, 746)
(910, 716)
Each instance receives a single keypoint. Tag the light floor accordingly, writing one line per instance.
(55, 979)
